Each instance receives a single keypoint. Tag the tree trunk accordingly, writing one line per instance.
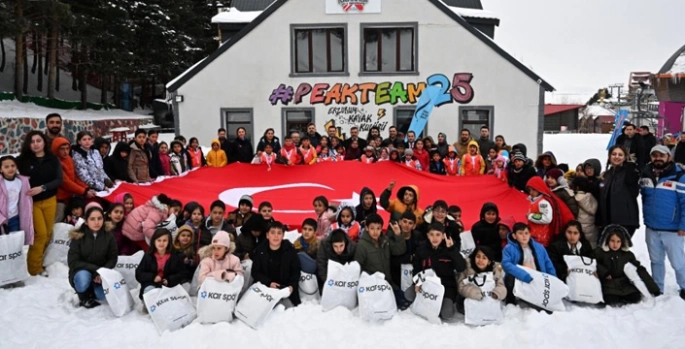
(47, 52)
(116, 89)
(53, 44)
(38, 51)
(26, 64)
(103, 89)
(34, 39)
(2, 55)
(19, 54)
(75, 57)
(153, 94)
(83, 83)
(143, 94)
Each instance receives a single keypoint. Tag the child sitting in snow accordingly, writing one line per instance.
(307, 246)
(218, 260)
(612, 257)
(183, 243)
(161, 265)
(251, 235)
(523, 250)
(573, 244)
(345, 221)
(480, 263)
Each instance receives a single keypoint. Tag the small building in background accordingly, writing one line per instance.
(669, 84)
(597, 119)
(562, 117)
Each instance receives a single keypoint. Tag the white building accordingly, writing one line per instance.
(361, 63)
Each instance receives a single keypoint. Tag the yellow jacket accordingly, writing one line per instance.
(216, 158)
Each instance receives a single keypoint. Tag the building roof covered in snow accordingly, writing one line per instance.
(551, 109)
(674, 65)
(595, 111)
(233, 15)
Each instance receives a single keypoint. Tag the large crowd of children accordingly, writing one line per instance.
(579, 212)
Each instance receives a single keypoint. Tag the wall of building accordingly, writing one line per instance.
(246, 76)
(672, 113)
(568, 118)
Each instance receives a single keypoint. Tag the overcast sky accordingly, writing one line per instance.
(579, 46)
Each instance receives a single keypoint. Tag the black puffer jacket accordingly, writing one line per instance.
(116, 167)
(518, 178)
(594, 180)
(560, 248)
(446, 262)
(174, 271)
(486, 234)
(288, 268)
(241, 151)
(326, 253)
(360, 212)
(618, 196)
(88, 252)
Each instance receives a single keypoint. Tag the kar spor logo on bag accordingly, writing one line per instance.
(268, 297)
(117, 285)
(582, 271)
(545, 293)
(218, 296)
(429, 296)
(348, 284)
(62, 242)
(127, 266)
(306, 278)
(374, 288)
(11, 256)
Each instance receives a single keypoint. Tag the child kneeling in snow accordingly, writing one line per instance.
(523, 250)
(480, 262)
(218, 261)
(612, 256)
(307, 246)
(161, 265)
(441, 255)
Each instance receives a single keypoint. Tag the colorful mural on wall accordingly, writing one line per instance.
(12, 130)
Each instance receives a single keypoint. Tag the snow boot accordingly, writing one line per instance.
(87, 300)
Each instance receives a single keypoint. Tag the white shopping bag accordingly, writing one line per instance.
(116, 290)
(583, 285)
(257, 303)
(127, 266)
(216, 299)
(308, 287)
(487, 310)
(340, 289)
(428, 301)
(467, 244)
(631, 272)
(545, 291)
(195, 282)
(292, 235)
(13, 266)
(247, 271)
(169, 224)
(406, 277)
(376, 298)
(169, 308)
(58, 248)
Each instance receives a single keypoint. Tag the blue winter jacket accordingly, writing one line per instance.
(663, 198)
(512, 255)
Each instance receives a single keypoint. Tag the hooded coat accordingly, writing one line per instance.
(472, 165)
(541, 170)
(471, 291)
(595, 180)
(452, 227)
(443, 147)
(618, 196)
(587, 208)
(423, 157)
(189, 253)
(518, 178)
(25, 206)
(246, 242)
(562, 214)
(611, 263)
(487, 234)
(88, 252)
(462, 147)
(275, 144)
(375, 257)
(99, 142)
(116, 167)
(71, 184)
(174, 271)
(397, 206)
(216, 158)
(89, 167)
(139, 164)
(360, 212)
(143, 220)
(524, 150)
(219, 269)
(447, 263)
(287, 268)
(560, 248)
(326, 253)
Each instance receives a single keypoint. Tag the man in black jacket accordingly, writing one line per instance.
(314, 137)
(632, 142)
(648, 139)
(276, 265)
(679, 152)
(153, 148)
(484, 142)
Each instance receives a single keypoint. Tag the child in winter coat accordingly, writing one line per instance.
(218, 260)
(241, 215)
(337, 247)
(367, 205)
(74, 210)
(523, 250)
(472, 164)
(505, 226)
(479, 263)
(557, 183)
(587, 208)
(71, 184)
(177, 159)
(612, 257)
(385, 155)
(125, 199)
(436, 165)
(116, 165)
(441, 255)
(438, 213)
(345, 221)
(214, 223)
(368, 157)
(197, 216)
(161, 265)
(486, 231)
(421, 155)
(114, 223)
(573, 244)
(308, 151)
(490, 160)
(216, 157)
(395, 155)
(547, 213)
(451, 161)
(140, 224)
(324, 216)
(410, 161)
(499, 168)
(16, 205)
(195, 154)
(412, 238)
(407, 199)
(307, 246)
(276, 265)
(165, 159)
(267, 157)
(183, 243)
(251, 235)
(91, 248)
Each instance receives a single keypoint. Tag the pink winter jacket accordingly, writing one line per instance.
(219, 269)
(25, 208)
(143, 220)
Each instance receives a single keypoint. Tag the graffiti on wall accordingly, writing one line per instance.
(358, 116)
(458, 90)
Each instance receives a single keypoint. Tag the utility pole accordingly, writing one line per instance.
(618, 86)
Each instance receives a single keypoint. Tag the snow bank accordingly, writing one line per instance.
(15, 109)
(235, 16)
(41, 315)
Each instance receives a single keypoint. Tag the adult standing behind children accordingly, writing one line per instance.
(241, 148)
(619, 191)
(663, 206)
(45, 177)
(139, 159)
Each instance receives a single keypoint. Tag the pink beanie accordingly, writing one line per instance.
(92, 204)
(222, 239)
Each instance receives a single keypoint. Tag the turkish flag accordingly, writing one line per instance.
(292, 189)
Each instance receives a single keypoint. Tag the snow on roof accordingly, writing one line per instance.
(16, 109)
(596, 111)
(233, 15)
(473, 13)
(187, 71)
(679, 65)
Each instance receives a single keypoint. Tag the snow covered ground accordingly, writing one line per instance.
(40, 315)
(16, 109)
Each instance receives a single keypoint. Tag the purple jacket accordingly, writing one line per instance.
(25, 208)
